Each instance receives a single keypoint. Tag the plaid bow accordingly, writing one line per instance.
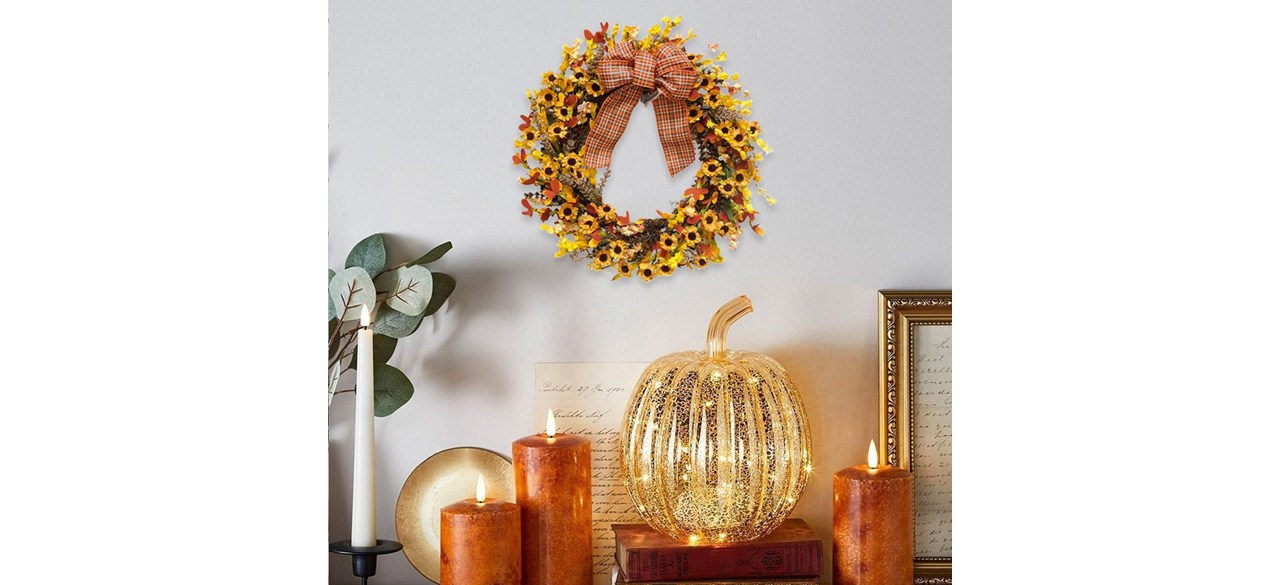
(635, 74)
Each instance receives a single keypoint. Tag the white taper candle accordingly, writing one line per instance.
(364, 525)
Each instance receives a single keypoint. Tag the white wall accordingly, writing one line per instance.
(424, 102)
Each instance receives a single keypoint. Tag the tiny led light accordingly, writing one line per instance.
(551, 423)
(873, 457)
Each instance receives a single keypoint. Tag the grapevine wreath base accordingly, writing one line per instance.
(581, 110)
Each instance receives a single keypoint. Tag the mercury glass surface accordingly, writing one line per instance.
(715, 443)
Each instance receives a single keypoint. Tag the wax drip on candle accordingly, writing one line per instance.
(873, 457)
(480, 490)
(551, 424)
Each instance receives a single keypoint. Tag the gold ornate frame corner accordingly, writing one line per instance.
(900, 310)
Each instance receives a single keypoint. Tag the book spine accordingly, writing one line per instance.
(801, 559)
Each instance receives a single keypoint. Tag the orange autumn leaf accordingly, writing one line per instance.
(757, 229)
(693, 219)
(528, 212)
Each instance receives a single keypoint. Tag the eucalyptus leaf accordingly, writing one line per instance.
(348, 290)
(393, 323)
(435, 254)
(334, 373)
(332, 312)
(383, 347)
(442, 286)
(334, 342)
(391, 389)
(369, 254)
(412, 290)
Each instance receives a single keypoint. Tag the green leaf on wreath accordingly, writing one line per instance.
(435, 254)
(411, 291)
(393, 323)
(370, 254)
(442, 286)
(391, 389)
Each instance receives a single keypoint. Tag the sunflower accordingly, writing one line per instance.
(529, 135)
(665, 269)
(700, 262)
(602, 257)
(568, 213)
(617, 249)
(646, 272)
(724, 230)
(727, 189)
(563, 112)
(608, 212)
(753, 129)
(578, 76)
(588, 223)
(571, 160)
(594, 88)
(694, 113)
(711, 168)
(740, 176)
(557, 131)
(624, 270)
(549, 78)
(668, 241)
(547, 97)
(709, 221)
(691, 235)
(705, 83)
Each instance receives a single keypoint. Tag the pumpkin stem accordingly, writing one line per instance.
(720, 322)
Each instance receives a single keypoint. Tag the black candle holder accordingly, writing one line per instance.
(364, 559)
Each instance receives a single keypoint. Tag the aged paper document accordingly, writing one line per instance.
(931, 438)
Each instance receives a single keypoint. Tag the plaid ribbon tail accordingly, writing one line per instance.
(609, 124)
(673, 132)
(632, 72)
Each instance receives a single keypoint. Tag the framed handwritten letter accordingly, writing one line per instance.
(590, 399)
(915, 416)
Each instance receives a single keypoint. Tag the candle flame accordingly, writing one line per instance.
(480, 489)
(551, 423)
(873, 456)
(364, 315)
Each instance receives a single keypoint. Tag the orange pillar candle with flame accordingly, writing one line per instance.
(480, 541)
(553, 490)
(873, 526)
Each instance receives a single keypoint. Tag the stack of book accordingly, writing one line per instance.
(790, 555)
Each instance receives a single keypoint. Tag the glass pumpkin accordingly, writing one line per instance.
(715, 444)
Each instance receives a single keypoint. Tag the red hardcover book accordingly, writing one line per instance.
(644, 554)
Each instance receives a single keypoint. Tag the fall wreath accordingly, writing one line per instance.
(581, 110)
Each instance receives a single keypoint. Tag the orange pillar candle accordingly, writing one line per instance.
(480, 541)
(873, 526)
(553, 490)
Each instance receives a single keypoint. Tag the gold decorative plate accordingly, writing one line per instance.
(442, 479)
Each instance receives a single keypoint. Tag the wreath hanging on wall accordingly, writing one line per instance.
(581, 110)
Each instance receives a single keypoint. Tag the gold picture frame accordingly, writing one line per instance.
(906, 316)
